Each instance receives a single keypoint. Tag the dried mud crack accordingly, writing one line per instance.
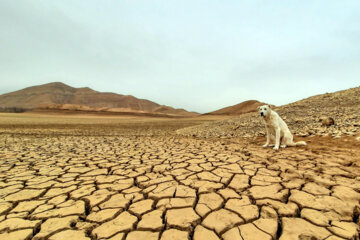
(168, 187)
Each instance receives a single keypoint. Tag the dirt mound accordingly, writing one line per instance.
(241, 108)
(63, 97)
(303, 117)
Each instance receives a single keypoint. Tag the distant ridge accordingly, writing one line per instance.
(241, 108)
(59, 96)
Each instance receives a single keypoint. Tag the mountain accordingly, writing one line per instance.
(59, 96)
(303, 117)
(241, 108)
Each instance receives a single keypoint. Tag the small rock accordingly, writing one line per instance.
(327, 121)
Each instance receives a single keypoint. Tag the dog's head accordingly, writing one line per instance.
(264, 110)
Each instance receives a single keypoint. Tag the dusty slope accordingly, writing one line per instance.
(241, 108)
(303, 118)
(61, 96)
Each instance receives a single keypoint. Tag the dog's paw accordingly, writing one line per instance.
(283, 146)
(276, 148)
(265, 145)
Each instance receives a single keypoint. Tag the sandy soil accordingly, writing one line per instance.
(93, 177)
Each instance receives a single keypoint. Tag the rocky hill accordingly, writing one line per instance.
(303, 117)
(59, 96)
(241, 108)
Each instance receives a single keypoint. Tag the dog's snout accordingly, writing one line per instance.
(262, 114)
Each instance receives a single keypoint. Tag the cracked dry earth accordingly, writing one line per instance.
(172, 188)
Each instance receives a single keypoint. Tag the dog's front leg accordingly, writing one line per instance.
(277, 138)
(267, 138)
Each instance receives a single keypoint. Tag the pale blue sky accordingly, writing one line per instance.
(198, 55)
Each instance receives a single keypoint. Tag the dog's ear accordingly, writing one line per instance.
(269, 106)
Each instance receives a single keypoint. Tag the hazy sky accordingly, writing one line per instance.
(194, 54)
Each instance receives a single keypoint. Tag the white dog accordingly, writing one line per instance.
(276, 129)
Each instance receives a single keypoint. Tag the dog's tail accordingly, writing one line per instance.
(300, 143)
